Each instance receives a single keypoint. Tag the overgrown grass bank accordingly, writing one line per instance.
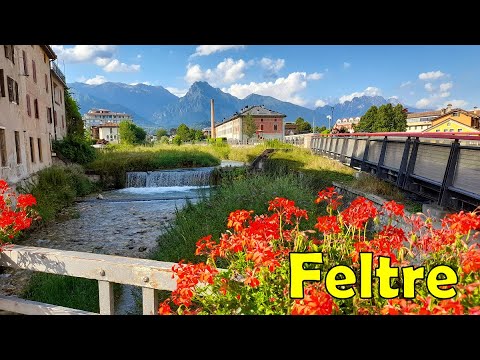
(56, 187)
(113, 162)
(209, 216)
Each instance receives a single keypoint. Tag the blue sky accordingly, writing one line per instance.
(308, 75)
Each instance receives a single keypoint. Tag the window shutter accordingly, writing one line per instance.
(2, 84)
(16, 93)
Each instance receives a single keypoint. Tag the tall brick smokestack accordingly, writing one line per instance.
(212, 118)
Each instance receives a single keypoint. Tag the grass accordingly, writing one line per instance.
(56, 187)
(209, 216)
(76, 293)
(113, 163)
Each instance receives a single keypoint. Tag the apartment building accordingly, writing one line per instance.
(32, 109)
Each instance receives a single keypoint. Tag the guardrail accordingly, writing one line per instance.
(444, 168)
(150, 275)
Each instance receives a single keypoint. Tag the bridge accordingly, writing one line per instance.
(441, 167)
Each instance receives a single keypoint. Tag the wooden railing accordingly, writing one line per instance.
(442, 167)
(150, 275)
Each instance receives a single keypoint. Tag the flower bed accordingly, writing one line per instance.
(257, 248)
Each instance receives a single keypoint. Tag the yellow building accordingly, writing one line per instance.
(456, 120)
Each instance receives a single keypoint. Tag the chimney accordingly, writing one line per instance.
(212, 118)
(449, 107)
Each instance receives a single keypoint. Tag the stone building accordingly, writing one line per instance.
(32, 109)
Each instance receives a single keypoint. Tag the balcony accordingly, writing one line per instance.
(58, 72)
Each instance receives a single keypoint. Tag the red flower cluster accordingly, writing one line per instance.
(359, 212)
(286, 209)
(462, 223)
(327, 225)
(331, 197)
(15, 213)
(393, 208)
(315, 302)
(471, 260)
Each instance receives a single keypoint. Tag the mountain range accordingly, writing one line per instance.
(155, 106)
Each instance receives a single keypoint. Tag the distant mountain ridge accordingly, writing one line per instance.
(155, 106)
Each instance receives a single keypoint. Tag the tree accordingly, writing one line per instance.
(249, 126)
(177, 140)
(161, 132)
(131, 133)
(303, 126)
(319, 129)
(386, 118)
(184, 133)
(73, 117)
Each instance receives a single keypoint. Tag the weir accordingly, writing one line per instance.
(177, 177)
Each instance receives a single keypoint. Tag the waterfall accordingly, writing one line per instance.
(177, 177)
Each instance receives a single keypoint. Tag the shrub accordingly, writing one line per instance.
(75, 149)
(257, 252)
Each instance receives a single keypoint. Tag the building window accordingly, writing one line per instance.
(261, 127)
(17, 147)
(3, 147)
(46, 83)
(35, 107)
(25, 66)
(55, 118)
(32, 150)
(2, 84)
(63, 122)
(39, 143)
(275, 127)
(452, 130)
(12, 86)
(56, 94)
(445, 130)
(459, 130)
(29, 108)
(34, 71)
(9, 52)
(437, 130)
(455, 113)
(49, 115)
(261, 120)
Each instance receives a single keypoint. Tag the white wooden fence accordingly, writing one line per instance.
(150, 275)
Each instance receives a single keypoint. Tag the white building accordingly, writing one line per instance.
(96, 117)
(108, 131)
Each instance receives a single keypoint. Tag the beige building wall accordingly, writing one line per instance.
(60, 126)
(27, 132)
(230, 130)
(109, 133)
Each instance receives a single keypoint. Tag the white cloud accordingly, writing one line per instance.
(176, 91)
(283, 88)
(456, 103)
(97, 80)
(139, 56)
(346, 65)
(429, 87)
(204, 50)
(446, 86)
(431, 75)
(142, 82)
(314, 76)
(226, 72)
(320, 103)
(369, 91)
(423, 103)
(84, 53)
(444, 94)
(272, 65)
(116, 66)
(405, 83)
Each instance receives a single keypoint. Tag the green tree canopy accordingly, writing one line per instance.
(303, 126)
(184, 133)
(131, 133)
(73, 117)
(161, 132)
(383, 119)
(319, 129)
(249, 126)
